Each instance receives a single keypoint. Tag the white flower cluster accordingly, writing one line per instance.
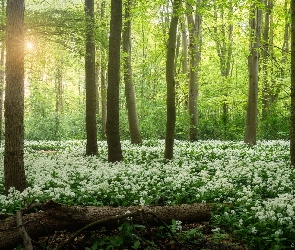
(258, 178)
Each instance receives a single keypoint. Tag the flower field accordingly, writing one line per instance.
(257, 181)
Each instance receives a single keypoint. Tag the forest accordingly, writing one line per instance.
(130, 124)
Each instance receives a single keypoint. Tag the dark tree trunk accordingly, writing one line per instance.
(113, 133)
(292, 132)
(253, 69)
(91, 89)
(170, 80)
(55, 217)
(2, 79)
(129, 88)
(103, 83)
(103, 99)
(14, 172)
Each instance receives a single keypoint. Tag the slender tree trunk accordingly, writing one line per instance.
(103, 83)
(97, 74)
(224, 43)
(184, 61)
(103, 99)
(59, 94)
(2, 75)
(91, 90)
(14, 172)
(59, 87)
(129, 88)
(194, 27)
(113, 133)
(286, 43)
(170, 71)
(292, 130)
(184, 46)
(253, 69)
(266, 89)
(2, 79)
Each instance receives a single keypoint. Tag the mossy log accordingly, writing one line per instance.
(57, 217)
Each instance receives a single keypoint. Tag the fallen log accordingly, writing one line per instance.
(57, 217)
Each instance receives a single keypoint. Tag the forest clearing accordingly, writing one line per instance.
(257, 181)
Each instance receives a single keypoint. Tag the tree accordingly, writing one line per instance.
(2, 73)
(223, 36)
(129, 88)
(14, 172)
(268, 90)
(91, 88)
(292, 130)
(170, 81)
(113, 133)
(195, 43)
(253, 70)
(103, 64)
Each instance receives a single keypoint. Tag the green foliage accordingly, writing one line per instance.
(276, 124)
(57, 32)
(128, 236)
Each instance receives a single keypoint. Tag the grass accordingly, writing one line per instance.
(257, 181)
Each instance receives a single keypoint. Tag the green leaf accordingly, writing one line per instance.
(136, 244)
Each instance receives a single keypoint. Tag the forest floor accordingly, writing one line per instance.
(257, 181)
(205, 240)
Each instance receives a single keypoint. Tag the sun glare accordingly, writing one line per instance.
(29, 45)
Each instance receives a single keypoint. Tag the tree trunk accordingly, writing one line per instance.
(59, 94)
(184, 49)
(56, 217)
(253, 69)
(59, 87)
(103, 99)
(91, 90)
(2, 79)
(286, 45)
(170, 71)
(103, 84)
(224, 43)
(292, 130)
(113, 133)
(129, 88)
(194, 27)
(266, 52)
(184, 61)
(14, 172)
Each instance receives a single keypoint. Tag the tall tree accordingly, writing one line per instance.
(58, 93)
(113, 133)
(170, 81)
(223, 36)
(195, 43)
(2, 73)
(253, 70)
(14, 172)
(292, 131)
(268, 89)
(91, 88)
(129, 88)
(59, 86)
(103, 66)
